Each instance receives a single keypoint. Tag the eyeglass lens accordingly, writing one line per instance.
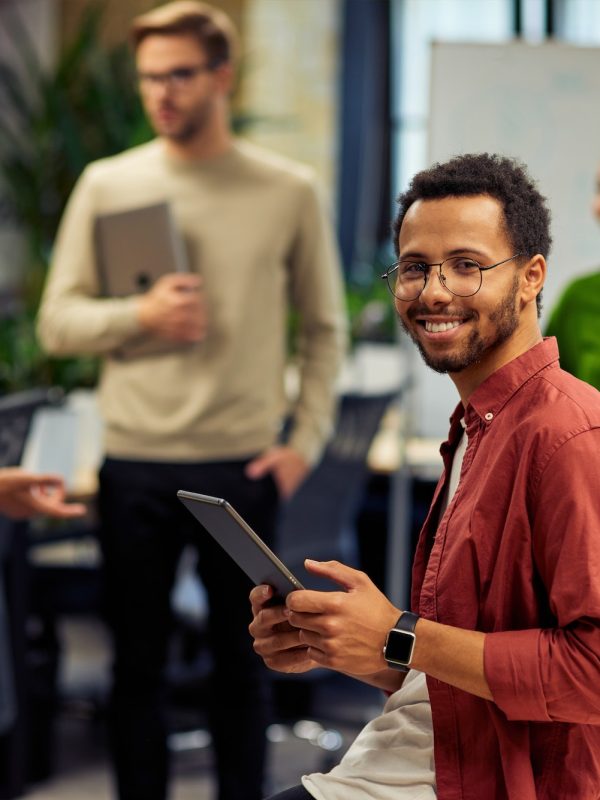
(176, 78)
(460, 275)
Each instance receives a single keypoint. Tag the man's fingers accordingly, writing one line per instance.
(291, 661)
(277, 642)
(53, 504)
(260, 596)
(14, 479)
(259, 467)
(179, 280)
(345, 576)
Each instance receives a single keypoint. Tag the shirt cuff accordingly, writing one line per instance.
(511, 666)
(308, 445)
(124, 320)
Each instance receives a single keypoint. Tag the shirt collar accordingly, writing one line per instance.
(494, 393)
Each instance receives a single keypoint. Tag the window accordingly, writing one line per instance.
(415, 24)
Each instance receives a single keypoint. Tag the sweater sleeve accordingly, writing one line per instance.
(551, 673)
(317, 298)
(73, 319)
(563, 325)
(574, 322)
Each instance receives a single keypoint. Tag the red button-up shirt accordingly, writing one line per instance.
(517, 555)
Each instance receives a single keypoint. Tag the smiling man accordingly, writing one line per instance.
(493, 675)
(204, 407)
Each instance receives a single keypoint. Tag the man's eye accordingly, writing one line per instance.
(412, 268)
(182, 74)
(462, 264)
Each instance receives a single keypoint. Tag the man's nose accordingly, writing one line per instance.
(435, 290)
(159, 88)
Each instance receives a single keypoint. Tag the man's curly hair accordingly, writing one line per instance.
(526, 214)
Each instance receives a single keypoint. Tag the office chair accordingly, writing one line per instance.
(319, 522)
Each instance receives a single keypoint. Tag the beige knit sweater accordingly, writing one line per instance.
(255, 230)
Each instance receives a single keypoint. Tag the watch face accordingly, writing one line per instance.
(399, 646)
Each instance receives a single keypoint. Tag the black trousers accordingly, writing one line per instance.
(144, 529)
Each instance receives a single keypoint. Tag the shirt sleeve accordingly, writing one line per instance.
(73, 319)
(551, 673)
(317, 298)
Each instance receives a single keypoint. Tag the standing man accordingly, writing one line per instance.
(493, 675)
(207, 414)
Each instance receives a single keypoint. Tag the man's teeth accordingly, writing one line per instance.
(437, 327)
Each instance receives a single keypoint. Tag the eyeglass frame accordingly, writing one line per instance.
(442, 277)
(175, 78)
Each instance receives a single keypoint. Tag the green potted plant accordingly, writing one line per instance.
(54, 122)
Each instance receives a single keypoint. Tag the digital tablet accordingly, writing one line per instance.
(134, 248)
(238, 539)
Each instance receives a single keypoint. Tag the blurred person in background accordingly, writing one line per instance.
(206, 414)
(575, 320)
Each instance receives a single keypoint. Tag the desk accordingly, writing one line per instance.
(69, 439)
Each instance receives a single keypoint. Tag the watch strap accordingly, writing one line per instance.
(406, 624)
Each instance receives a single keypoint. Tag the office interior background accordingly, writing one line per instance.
(347, 86)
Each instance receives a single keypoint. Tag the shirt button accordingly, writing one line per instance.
(489, 416)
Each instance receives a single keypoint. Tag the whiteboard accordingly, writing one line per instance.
(541, 104)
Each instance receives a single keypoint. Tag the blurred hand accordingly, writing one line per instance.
(175, 308)
(25, 494)
(285, 464)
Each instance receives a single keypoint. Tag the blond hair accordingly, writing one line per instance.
(212, 28)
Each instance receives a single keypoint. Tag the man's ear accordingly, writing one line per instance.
(533, 278)
(225, 75)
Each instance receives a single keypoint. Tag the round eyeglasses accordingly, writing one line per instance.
(176, 79)
(460, 275)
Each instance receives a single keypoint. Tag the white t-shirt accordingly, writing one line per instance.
(392, 757)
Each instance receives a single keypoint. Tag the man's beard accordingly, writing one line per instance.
(504, 316)
(190, 127)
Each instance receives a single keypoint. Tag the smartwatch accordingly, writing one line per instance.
(400, 642)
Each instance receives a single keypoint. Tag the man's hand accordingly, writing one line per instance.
(25, 494)
(175, 308)
(344, 630)
(275, 640)
(286, 465)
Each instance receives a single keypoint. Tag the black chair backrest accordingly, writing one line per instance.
(318, 522)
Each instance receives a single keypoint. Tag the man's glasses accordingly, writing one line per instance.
(460, 275)
(178, 78)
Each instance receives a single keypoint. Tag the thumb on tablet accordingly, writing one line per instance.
(345, 576)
